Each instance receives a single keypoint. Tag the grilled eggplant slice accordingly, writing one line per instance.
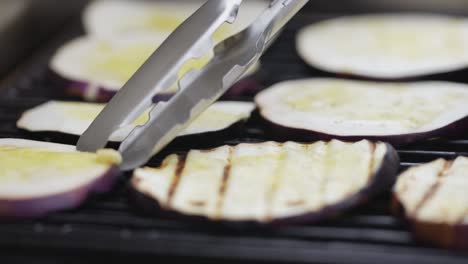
(75, 117)
(37, 178)
(433, 198)
(96, 68)
(117, 17)
(268, 183)
(398, 113)
(387, 46)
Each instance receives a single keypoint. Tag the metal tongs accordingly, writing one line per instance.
(198, 89)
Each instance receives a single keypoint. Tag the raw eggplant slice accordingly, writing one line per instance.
(37, 178)
(268, 182)
(96, 68)
(433, 199)
(386, 46)
(75, 117)
(118, 17)
(398, 113)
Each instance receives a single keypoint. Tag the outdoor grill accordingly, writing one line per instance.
(109, 228)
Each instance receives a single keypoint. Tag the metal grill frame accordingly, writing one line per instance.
(109, 224)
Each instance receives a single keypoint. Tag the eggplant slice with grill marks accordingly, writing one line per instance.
(387, 46)
(398, 113)
(75, 117)
(267, 183)
(37, 178)
(433, 198)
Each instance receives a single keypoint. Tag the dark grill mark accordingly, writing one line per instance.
(295, 203)
(176, 180)
(275, 181)
(426, 197)
(206, 150)
(224, 182)
(326, 172)
(433, 189)
(197, 203)
(447, 166)
(462, 218)
(372, 172)
(136, 181)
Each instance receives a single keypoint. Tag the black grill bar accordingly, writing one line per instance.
(368, 234)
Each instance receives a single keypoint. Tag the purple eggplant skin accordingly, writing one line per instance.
(458, 75)
(437, 234)
(210, 139)
(382, 180)
(78, 89)
(278, 132)
(243, 88)
(202, 140)
(37, 207)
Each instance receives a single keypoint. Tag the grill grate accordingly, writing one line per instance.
(368, 234)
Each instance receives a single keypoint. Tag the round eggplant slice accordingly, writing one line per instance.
(387, 46)
(75, 117)
(118, 17)
(433, 199)
(96, 68)
(37, 178)
(398, 113)
(267, 183)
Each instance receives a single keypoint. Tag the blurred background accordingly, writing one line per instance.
(26, 24)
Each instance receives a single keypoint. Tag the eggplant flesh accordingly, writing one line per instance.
(387, 46)
(96, 68)
(433, 199)
(268, 183)
(75, 117)
(40, 177)
(106, 18)
(398, 113)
